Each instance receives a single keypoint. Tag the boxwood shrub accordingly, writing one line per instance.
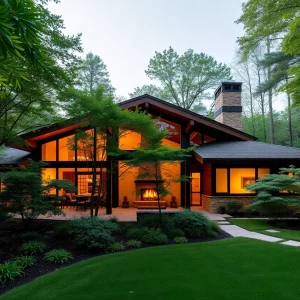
(194, 224)
(93, 233)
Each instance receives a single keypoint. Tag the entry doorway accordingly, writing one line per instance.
(196, 189)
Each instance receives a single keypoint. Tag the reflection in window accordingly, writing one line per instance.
(65, 148)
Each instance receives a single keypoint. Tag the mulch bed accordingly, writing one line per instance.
(13, 230)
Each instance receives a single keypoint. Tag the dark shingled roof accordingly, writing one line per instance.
(245, 150)
(11, 156)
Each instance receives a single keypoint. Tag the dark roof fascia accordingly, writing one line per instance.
(124, 103)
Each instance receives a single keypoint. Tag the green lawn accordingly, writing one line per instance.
(236, 268)
(261, 225)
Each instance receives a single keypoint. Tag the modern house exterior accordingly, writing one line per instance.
(224, 161)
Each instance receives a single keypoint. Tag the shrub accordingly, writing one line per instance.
(136, 233)
(93, 233)
(33, 247)
(194, 224)
(134, 244)
(62, 231)
(214, 226)
(234, 206)
(180, 240)
(30, 235)
(116, 247)
(175, 232)
(24, 261)
(154, 236)
(4, 240)
(153, 221)
(9, 271)
(58, 256)
(113, 219)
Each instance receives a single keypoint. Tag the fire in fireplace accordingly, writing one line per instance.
(149, 194)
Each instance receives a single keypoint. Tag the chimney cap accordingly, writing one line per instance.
(228, 86)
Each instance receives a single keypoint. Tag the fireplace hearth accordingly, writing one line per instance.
(149, 194)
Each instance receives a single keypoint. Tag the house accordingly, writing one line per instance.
(224, 161)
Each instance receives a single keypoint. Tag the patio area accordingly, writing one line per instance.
(126, 214)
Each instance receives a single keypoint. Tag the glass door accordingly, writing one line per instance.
(196, 189)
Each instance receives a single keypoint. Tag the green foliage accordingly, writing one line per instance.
(93, 74)
(270, 19)
(4, 241)
(175, 232)
(194, 224)
(58, 256)
(134, 243)
(136, 233)
(214, 226)
(33, 247)
(27, 194)
(150, 90)
(154, 236)
(185, 78)
(62, 231)
(117, 247)
(30, 235)
(154, 221)
(180, 240)
(24, 261)
(93, 233)
(9, 271)
(277, 193)
(234, 206)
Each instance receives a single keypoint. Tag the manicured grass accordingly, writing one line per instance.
(261, 225)
(236, 268)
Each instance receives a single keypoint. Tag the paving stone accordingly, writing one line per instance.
(223, 222)
(291, 243)
(272, 230)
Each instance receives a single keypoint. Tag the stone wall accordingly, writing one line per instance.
(212, 203)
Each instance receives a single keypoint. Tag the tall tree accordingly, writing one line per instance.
(36, 103)
(94, 73)
(274, 19)
(186, 77)
(149, 89)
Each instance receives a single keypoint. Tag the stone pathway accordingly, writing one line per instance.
(237, 231)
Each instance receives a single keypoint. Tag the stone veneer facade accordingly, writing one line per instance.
(212, 203)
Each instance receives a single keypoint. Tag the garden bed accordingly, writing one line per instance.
(13, 231)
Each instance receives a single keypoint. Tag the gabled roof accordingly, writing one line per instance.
(11, 156)
(163, 108)
(248, 150)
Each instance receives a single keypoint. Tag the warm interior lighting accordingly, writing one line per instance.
(150, 195)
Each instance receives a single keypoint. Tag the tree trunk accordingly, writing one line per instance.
(290, 119)
(271, 125)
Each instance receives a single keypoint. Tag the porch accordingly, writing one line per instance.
(126, 214)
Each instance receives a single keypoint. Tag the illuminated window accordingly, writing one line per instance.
(221, 181)
(49, 174)
(240, 178)
(65, 148)
(263, 172)
(49, 151)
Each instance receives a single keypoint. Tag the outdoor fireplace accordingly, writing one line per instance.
(149, 195)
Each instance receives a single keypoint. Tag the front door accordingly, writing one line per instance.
(196, 189)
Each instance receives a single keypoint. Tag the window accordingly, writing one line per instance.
(65, 146)
(49, 151)
(240, 178)
(221, 181)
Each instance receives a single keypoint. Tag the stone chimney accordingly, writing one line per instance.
(228, 109)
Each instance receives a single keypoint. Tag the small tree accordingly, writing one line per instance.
(99, 145)
(27, 195)
(277, 194)
(152, 161)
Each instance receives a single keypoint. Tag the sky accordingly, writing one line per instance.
(126, 33)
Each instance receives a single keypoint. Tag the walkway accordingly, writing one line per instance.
(237, 231)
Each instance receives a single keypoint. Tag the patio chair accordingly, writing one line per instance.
(81, 201)
(70, 200)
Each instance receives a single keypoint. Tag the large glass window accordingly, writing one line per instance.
(49, 151)
(49, 174)
(65, 148)
(221, 181)
(262, 172)
(129, 140)
(240, 178)
(196, 188)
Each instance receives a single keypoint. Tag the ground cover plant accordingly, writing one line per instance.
(43, 248)
(236, 268)
(261, 225)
